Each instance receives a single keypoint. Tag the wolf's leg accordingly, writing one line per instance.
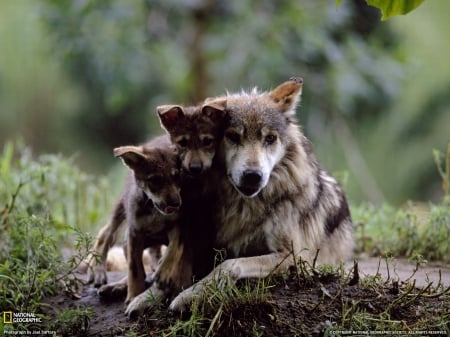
(107, 236)
(154, 254)
(173, 274)
(232, 270)
(136, 272)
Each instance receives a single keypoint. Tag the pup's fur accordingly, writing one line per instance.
(275, 203)
(197, 132)
(150, 204)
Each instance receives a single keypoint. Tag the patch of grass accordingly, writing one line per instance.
(220, 304)
(45, 203)
(416, 229)
(72, 322)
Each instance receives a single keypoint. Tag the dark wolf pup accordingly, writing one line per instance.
(196, 132)
(276, 204)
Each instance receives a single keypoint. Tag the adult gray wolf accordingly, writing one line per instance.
(275, 203)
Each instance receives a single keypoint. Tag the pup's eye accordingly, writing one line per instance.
(182, 142)
(207, 141)
(155, 180)
(270, 139)
(233, 137)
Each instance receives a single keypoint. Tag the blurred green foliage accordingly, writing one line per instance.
(85, 76)
(49, 210)
(414, 230)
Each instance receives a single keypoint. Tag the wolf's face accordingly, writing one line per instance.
(196, 132)
(254, 140)
(156, 172)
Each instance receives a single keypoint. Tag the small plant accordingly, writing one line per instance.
(72, 322)
(443, 169)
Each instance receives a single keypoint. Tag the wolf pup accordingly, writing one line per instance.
(150, 205)
(196, 132)
(276, 203)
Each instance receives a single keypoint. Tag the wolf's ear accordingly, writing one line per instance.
(132, 156)
(169, 115)
(287, 95)
(215, 108)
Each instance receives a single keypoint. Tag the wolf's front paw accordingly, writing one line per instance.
(113, 291)
(97, 275)
(138, 305)
(183, 301)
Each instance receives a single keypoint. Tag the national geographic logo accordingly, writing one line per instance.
(10, 317)
(7, 317)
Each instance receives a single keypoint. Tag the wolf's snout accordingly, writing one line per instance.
(172, 206)
(195, 168)
(250, 182)
(251, 177)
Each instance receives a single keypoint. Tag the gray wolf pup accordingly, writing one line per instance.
(196, 132)
(275, 202)
(149, 204)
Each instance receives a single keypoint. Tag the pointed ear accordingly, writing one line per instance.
(169, 115)
(215, 109)
(132, 156)
(287, 95)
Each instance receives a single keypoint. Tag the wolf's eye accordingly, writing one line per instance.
(182, 142)
(233, 137)
(155, 180)
(207, 141)
(270, 139)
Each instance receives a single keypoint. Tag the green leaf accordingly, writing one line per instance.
(338, 2)
(394, 7)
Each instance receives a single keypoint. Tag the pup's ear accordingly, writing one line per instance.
(169, 115)
(215, 108)
(287, 95)
(132, 156)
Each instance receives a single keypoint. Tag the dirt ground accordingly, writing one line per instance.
(294, 307)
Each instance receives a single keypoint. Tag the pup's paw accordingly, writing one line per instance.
(138, 305)
(113, 291)
(183, 301)
(97, 275)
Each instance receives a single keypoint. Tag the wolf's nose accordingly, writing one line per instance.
(195, 168)
(251, 177)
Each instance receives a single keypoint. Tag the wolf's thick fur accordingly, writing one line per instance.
(277, 203)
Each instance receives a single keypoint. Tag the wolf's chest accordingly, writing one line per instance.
(241, 232)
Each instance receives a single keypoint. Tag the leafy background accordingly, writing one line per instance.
(81, 77)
